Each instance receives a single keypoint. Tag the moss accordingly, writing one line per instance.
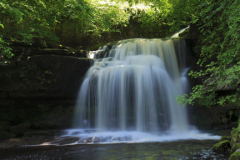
(235, 146)
(234, 131)
(235, 155)
(169, 152)
(224, 121)
(235, 136)
(223, 138)
(222, 146)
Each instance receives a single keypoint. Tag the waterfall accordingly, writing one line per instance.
(133, 88)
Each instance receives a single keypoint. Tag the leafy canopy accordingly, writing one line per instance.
(49, 21)
(56, 21)
(218, 22)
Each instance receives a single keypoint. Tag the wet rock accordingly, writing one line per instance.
(96, 139)
(106, 139)
(6, 135)
(124, 138)
(90, 139)
(65, 141)
(222, 146)
(4, 125)
(20, 129)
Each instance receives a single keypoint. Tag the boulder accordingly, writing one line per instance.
(4, 125)
(4, 135)
(234, 136)
(222, 146)
(20, 129)
(234, 147)
(223, 138)
(235, 155)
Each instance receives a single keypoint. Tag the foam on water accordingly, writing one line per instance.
(92, 136)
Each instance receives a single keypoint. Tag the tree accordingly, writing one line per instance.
(53, 21)
(218, 22)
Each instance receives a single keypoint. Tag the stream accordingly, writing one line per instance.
(176, 150)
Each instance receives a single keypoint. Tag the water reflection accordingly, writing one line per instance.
(179, 150)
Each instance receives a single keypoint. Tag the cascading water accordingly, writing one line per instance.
(131, 91)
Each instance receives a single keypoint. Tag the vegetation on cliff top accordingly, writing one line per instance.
(218, 23)
(51, 21)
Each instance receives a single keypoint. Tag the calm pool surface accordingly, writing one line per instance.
(179, 150)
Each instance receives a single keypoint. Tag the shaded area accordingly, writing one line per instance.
(167, 150)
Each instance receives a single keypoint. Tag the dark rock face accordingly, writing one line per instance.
(42, 133)
(41, 90)
(43, 76)
(60, 120)
(214, 117)
(6, 135)
(4, 125)
(20, 129)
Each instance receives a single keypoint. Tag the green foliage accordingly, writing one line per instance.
(222, 146)
(48, 72)
(107, 15)
(218, 22)
(54, 21)
(235, 156)
(5, 50)
(223, 138)
(154, 21)
(48, 22)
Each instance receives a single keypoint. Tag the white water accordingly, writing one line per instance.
(176, 35)
(130, 94)
(88, 136)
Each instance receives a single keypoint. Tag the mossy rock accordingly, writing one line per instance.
(223, 138)
(234, 147)
(222, 146)
(234, 133)
(235, 155)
